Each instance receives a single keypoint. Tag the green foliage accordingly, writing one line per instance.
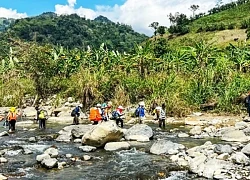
(53, 29)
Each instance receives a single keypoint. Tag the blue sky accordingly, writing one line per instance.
(137, 13)
(36, 7)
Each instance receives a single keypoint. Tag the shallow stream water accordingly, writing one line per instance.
(135, 163)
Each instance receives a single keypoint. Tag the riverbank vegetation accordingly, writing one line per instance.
(185, 77)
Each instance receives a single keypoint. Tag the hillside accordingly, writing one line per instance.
(72, 31)
(222, 28)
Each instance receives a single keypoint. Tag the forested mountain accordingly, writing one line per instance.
(73, 31)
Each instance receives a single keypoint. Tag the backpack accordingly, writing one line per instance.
(12, 116)
(115, 115)
(73, 113)
(137, 112)
(41, 115)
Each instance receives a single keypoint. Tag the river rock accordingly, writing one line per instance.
(223, 156)
(86, 157)
(196, 165)
(3, 160)
(114, 146)
(102, 133)
(2, 152)
(235, 135)
(246, 119)
(240, 158)
(64, 137)
(210, 129)
(69, 155)
(182, 135)
(241, 125)
(139, 130)
(41, 157)
(246, 149)
(213, 165)
(78, 130)
(27, 151)
(77, 140)
(32, 139)
(4, 133)
(195, 130)
(61, 165)
(164, 146)
(2, 177)
(220, 149)
(87, 148)
(139, 138)
(50, 163)
(53, 152)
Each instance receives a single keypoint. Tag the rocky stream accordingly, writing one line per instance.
(196, 147)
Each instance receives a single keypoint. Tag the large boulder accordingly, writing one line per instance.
(165, 147)
(102, 133)
(140, 131)
(195, 130)
(235, 135)
(114, 146)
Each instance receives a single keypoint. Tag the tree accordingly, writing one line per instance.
(194, 8)
(154, 25)
(161, 30)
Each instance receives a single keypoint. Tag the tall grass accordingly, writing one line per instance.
(183, 78)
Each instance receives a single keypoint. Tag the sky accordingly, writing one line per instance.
(137, 13)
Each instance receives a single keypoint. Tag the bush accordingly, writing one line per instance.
(231, 26)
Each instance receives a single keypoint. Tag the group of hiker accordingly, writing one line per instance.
(103, 112)
(99, 113)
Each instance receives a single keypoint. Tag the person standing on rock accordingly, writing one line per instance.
(120, 115)
(76, 114)
(42, 117)
(161, 115)
(141, 112)
(12, 117)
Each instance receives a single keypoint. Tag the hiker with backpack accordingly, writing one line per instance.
(104, 114)
(95, 114)
(42, 117)
(161, 115)
(140, 112)
(76, 114)
(118, 115)
(12, 117)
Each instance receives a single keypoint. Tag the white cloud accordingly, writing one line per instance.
(139, 13)
(10, 13)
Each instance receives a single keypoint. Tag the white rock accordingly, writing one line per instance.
(114, 146)
(50, 163)
(4, 133)
(2, 177)
(235, 135)
(3, 160)
(240, 158)
(78, 141)
(53, 152)
(182, 135)
(27, 151)
(223, 156)
(41, 157)
(32, 139)
(195, 130)
(174, 158)
(139, 138)
(86, 157)
(68, 155)
(87, 148)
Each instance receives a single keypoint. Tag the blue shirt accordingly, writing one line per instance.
(141, 111)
